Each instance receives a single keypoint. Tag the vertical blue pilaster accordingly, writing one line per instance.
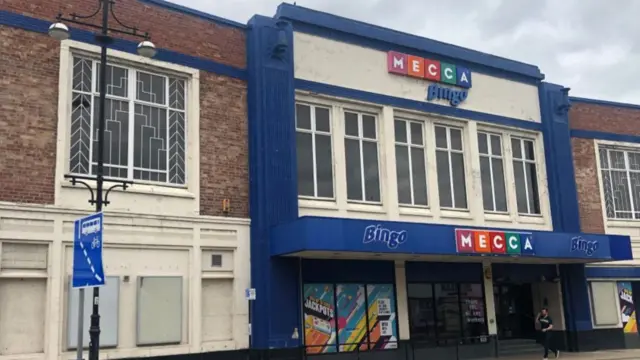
(272, 179)
(563, 197)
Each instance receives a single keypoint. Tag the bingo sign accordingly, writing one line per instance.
(490, 242)
(435, 71)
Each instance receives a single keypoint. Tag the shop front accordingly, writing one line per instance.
(375, 285)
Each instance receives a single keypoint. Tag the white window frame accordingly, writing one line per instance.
(314, 133)
(491, 156)
(524, 161)
(361, 139)
(450, 151)
(70, 48)
(410, 146)
(625, 150)
(132, 101)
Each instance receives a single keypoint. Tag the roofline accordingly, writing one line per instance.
(604, 103)
(197, 13)
(334, 23)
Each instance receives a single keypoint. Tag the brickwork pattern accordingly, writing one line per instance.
(29, 102)
(600, 118)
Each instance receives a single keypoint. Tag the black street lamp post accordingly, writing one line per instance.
(146, 48)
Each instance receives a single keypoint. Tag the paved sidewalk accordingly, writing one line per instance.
(597, 355)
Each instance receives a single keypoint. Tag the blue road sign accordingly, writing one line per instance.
(87, 252)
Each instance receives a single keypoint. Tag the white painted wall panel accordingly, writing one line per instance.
(355, 67)
(22, 315)
(217, 321)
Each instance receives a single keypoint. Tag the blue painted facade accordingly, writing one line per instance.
(277, 230)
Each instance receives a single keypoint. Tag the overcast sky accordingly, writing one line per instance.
(591, 46)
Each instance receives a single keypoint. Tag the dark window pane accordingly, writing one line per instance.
(353, 167)
(447, 311)
(499, 186)
(444, 178)
(305, 164)
(516, 148)
(441, 137)
(368, 126)
(419, 176)
(303, 117)
(351, 124)
(324, 165)
(617, 159)
(529, 150)
(473, 310)
(604, 158)
(422, 320)
(482, 143)
(400, 130)
(402, 171)
(532, 183)
(487, 186)
(416, 134)
(608, 194)
(459, 184)
(456, 139)
(496, 146)
(322, 119)
(371, 173)
(521, 191)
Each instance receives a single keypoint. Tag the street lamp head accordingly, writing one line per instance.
(59, 31)
(147, 49)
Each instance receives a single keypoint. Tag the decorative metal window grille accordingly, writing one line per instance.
(621, 182)
(145, 124)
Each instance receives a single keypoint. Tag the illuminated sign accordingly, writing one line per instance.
(417, 67)
(494, 242)
(377, 233)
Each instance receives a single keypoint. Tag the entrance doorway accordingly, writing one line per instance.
(514, 311)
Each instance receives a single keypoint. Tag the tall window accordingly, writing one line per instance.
(526, 177)
(494, 195)
(361, 152)
(145, 135)
(410, 163)
(315, 164)
(450, 167)
(621, 182)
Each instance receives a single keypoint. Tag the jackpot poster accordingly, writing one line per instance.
(352, 323)
(627, 308)
(382, 316)
(319, 318)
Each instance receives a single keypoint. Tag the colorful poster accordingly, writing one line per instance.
(627, 308)
(382, 316)
(319, 318)
(352, 324)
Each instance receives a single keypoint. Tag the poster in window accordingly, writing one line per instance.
(319, 318)
(382, 316)
(352, 323)
(627, 308)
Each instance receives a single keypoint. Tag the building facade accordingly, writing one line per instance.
(606, 148)
(410, 195)
(176, 260)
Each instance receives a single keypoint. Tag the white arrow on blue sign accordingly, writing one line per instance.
(87, 252)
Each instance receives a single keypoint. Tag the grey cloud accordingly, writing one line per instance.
(592, 46)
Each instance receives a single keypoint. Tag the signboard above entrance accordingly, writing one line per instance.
(494, 242)
(415, 66)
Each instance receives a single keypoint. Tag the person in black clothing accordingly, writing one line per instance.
(546, 324)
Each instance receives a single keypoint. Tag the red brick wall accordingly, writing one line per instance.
(609, 119)
(29, 99)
